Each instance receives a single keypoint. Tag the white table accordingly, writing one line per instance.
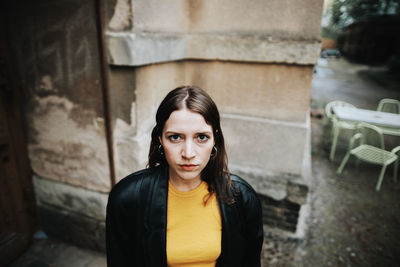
(389, 123)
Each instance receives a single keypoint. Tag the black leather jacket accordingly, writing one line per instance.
(137, 219)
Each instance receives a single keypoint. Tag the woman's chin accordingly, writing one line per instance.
(188, 176)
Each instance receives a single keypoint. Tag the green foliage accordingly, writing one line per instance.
(330, 32)
(336, 12)
(344, 12)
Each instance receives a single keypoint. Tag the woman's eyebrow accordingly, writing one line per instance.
(197, 132)
(204, 132)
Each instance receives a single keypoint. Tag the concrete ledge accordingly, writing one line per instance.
(70, 198)
(265, 145)
(136, 49)
(278, 186)
(73, 227)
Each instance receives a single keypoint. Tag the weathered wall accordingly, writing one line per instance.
(55, 49)
(57, 56)
(159, 31)
(254, 58)
(197, 16)
(268, 110)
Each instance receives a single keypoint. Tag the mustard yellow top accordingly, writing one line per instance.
(193, 230)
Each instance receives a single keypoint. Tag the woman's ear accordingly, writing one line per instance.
(159, 139)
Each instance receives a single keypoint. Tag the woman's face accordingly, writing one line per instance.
(187, 141)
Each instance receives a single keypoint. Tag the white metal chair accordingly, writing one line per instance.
(389, 105)
(371, 149)
(337, 125)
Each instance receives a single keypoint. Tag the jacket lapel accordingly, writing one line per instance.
(231, 231)
(157, 219)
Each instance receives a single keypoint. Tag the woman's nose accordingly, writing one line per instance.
(188, 150)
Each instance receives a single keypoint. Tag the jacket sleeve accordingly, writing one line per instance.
(119, 234)
(254, 234)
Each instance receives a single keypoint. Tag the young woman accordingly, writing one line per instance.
(185, 209)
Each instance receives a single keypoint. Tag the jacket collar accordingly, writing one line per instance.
(157, 218)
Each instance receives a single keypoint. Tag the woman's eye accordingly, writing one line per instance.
(202, 137)
(174, 137)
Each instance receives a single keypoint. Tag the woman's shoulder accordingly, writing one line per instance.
(245, 190)
(241, 184)
(129, 185)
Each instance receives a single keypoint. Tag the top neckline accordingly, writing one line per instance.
(202, 186)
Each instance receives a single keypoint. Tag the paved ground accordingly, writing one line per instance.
(51, 253)
(350, 224)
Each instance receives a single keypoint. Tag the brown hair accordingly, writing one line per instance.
(216, 173)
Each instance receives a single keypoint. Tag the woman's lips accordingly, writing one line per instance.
(188, 167)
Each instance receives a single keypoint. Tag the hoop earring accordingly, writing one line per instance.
(213, 152)
(161, 150)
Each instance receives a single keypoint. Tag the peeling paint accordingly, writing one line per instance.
(122, 16)
(64, 150)
(130, 146)
(123, 129)
(46, 86)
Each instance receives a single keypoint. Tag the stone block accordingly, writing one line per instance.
(272, 91)
(67, 145)
(130, 153)
(155, 15)
(281, 214)
(288, 18)
(137, 48)
(267, 145)
(152, 85)
(73, 228)
(70, 198)
(215, 30)
(122, 94)
(297, 191)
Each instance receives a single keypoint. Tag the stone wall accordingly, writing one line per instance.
(254, 59)
(55, 50)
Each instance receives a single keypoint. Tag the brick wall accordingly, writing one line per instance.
(281, 214)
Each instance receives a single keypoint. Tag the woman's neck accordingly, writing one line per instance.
(184, 185)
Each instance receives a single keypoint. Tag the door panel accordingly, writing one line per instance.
(17, 206)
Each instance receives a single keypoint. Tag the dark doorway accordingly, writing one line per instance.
(17, 204)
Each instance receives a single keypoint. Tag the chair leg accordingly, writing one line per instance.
(396, 164)
(334, 142)
(378, 185)
(344, 161)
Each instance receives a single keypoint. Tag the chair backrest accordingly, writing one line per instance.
(389, 105)
(330, 105)
(371, 135)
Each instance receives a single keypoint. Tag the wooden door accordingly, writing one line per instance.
(17, 205)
